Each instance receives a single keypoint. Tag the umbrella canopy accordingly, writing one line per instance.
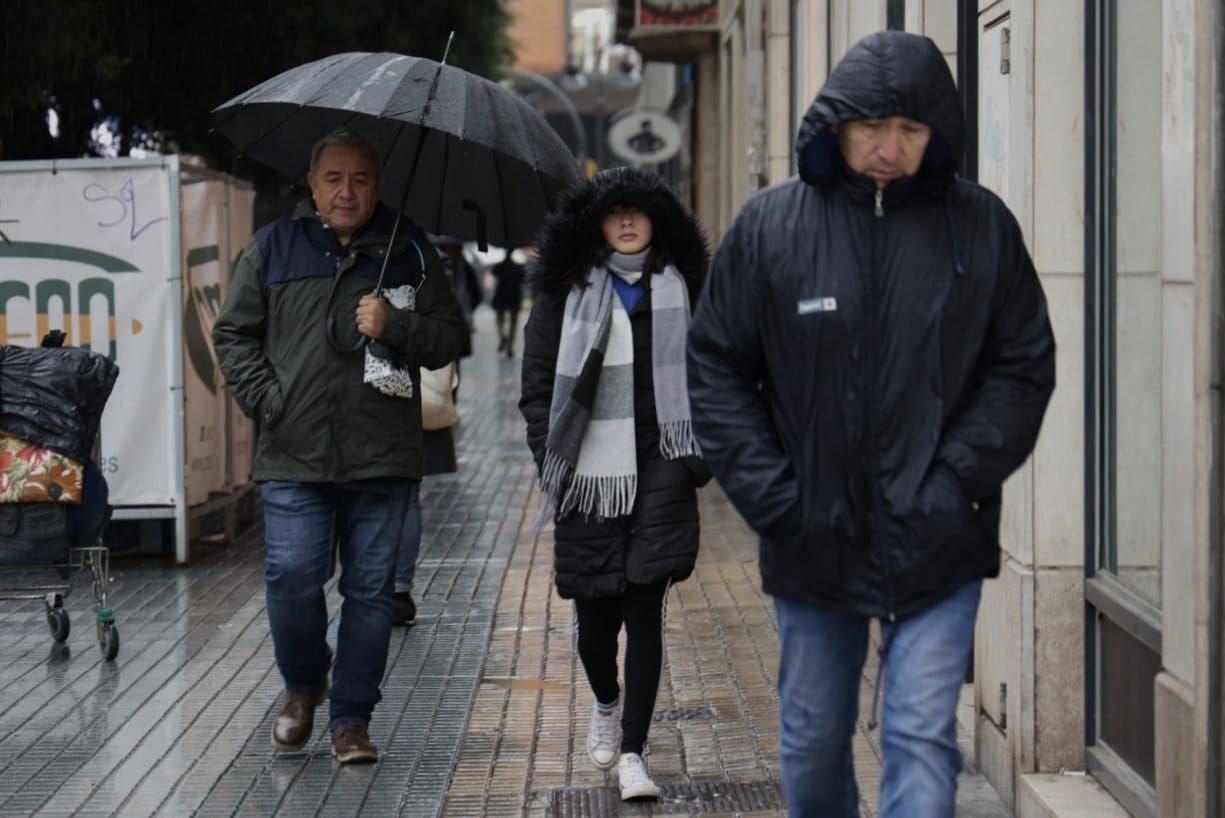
(473, 157)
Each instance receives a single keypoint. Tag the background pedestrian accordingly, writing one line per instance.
(508, 298)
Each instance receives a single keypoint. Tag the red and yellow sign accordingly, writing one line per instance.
(678, 12)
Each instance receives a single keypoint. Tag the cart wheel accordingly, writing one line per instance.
(108, 640)
(57, 621)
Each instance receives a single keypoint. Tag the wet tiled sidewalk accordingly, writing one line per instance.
(484, 705)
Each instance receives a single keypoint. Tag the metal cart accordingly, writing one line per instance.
(92, 562)
(65, 375)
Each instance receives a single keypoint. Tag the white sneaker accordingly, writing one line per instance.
(604, 736)
(633, 778)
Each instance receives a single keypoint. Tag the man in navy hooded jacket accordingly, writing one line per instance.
(871, 358)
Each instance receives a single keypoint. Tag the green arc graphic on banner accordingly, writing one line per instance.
(198, 340)
(64, 252)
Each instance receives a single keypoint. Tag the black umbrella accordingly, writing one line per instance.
(462, 155)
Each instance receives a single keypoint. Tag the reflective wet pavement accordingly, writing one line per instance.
(484, 705)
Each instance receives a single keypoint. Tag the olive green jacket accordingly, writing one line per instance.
(318, 422)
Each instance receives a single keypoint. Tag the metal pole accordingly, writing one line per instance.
(1215, 764)
(178, 389)
(550, 87)
(967, 82)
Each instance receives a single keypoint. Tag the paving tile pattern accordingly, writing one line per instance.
(485, 703)
(180, 724)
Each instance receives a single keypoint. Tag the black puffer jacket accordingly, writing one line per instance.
(866, 371)
(659, 540)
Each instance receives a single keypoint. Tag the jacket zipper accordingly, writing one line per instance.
(874, 455)
(335, 393)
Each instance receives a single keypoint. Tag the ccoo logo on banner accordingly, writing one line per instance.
(89, 251)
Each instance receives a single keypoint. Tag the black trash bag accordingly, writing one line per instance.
(53, 397)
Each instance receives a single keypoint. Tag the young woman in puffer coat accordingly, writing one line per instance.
(604, 395)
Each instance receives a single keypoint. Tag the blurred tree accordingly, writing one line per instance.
(95, 77)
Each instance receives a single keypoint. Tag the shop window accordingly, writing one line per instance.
(1123, 395)
(1133, 551)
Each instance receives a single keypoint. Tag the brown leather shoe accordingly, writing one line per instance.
(351, 744)
(296, 720)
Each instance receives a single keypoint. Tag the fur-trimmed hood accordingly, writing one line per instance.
(571, 237)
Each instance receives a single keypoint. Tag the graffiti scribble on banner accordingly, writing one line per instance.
(126, 201)
(678, 12)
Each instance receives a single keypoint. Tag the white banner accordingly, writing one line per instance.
(89, 250)
(202, 204)
(241, 201)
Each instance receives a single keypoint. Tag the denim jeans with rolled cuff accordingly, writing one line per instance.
(307, 526)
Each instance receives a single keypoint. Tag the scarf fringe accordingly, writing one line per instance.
(554, 473)
(676, 440)
(601, 496)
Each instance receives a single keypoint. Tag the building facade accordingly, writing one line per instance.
(1098, 659)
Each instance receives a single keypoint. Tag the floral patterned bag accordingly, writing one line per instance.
(30, 474)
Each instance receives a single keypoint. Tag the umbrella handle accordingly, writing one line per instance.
(412, 171)
(378, 285)
(408, 184)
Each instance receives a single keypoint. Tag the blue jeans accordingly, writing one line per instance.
(821, 663)
(305, 526)
(410, 542)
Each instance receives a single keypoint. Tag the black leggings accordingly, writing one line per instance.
(599, 623)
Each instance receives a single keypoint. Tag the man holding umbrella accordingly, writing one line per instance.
(338, 460)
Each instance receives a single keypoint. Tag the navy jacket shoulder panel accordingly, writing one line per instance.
(296, 249)
(289, 254)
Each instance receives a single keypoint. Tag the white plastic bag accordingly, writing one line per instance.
(381, 373)
(438, 409)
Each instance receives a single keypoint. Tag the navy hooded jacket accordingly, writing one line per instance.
(865, 371)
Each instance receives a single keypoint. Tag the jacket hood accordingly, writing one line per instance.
(572, 238)
(890, 73)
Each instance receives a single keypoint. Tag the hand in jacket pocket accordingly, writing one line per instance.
(942, 509)
(697, 469)
(272, 407)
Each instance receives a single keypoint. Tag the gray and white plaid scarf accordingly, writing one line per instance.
(590, 461)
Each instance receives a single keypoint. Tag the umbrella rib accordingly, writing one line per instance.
(323, 88)
(372, 80)
(236, 111)
(490, 104)
(392, 147)
(345, 122)
(245, 98)
(242, 151)
(502, 192)
(442, 189)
